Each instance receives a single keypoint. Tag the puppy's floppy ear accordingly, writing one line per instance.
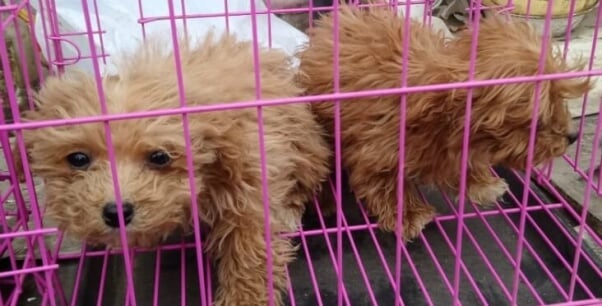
(575, 87)
(223, 158)
(219, 142)
(497, 106)
(59, 98)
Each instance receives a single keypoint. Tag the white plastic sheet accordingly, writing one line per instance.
(121, 31)
(118, 20)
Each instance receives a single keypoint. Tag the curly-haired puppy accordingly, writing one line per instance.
(370, 57)
(151, 161)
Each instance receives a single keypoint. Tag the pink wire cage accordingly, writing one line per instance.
(537, 248)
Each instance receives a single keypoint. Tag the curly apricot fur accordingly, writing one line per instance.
(225, 148)
(370, 57)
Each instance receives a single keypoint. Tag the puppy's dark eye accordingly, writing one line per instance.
(78, 160)
(159, 159)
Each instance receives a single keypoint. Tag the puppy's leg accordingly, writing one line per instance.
(484, 188)
(380, 195)
(416, 213)
(487, 193)
(237, 243)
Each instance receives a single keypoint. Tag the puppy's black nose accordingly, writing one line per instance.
(572, 137)
(110, 214)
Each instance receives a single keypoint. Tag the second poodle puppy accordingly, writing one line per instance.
(370, 57)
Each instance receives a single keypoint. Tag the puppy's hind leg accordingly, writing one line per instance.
(237, 243)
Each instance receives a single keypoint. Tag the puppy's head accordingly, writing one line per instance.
(150, 153)
(74, 163)
(502, 114)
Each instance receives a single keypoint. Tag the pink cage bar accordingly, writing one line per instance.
(535, 248)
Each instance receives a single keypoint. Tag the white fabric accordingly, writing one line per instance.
(119, 20)
(122, 33)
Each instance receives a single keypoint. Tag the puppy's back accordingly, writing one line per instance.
(370, 50)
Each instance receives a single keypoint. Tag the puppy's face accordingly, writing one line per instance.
(150, 164)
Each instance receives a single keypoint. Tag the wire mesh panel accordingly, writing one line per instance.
(398, 163)
(25, 256)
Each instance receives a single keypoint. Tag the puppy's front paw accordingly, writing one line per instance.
(414, 221)
(487, 194)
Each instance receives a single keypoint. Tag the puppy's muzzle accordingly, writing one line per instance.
(572, 137)
(110, 214)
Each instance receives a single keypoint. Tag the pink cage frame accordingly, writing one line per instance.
(456, 276)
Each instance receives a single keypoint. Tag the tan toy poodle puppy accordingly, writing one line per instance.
(371, 44)
(151, 160)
